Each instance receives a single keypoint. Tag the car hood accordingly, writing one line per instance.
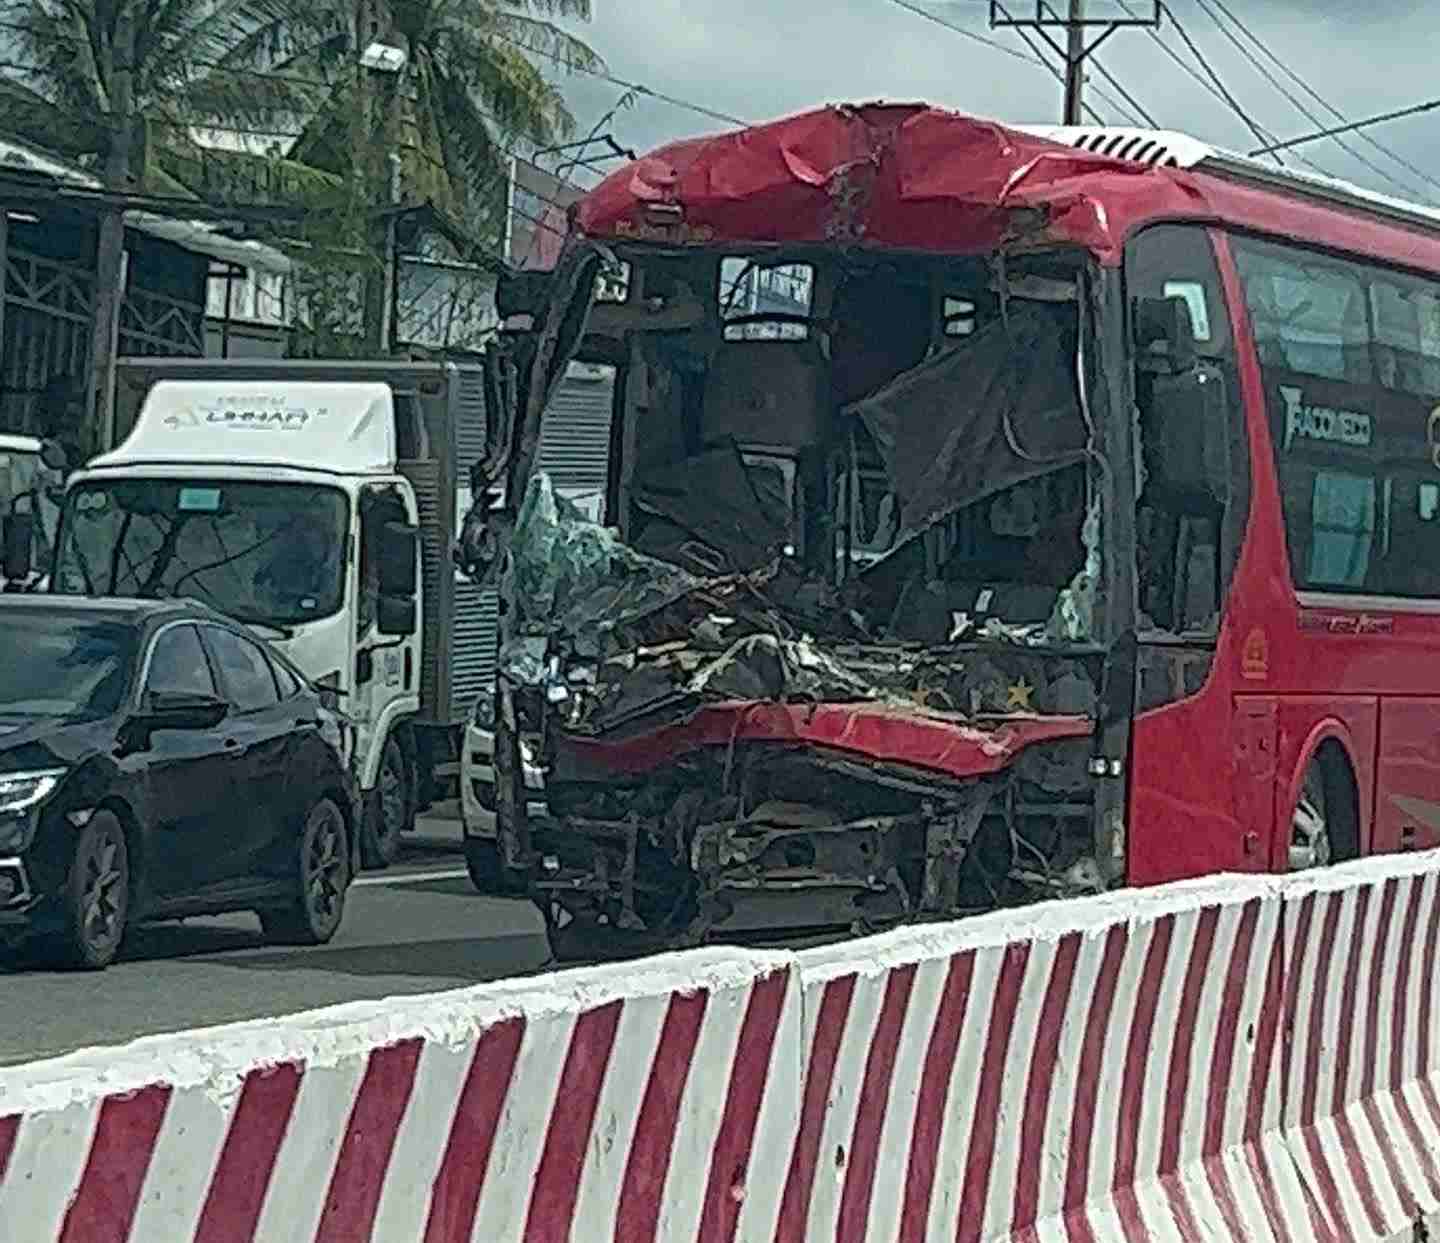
(27, 744)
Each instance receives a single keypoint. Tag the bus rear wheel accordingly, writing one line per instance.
(1325, 825)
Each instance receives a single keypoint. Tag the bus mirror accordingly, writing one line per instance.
(19, 537)
(1164, 336)
(1192, 431)
(395, 615)
(397, 560)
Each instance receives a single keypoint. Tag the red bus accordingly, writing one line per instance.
(993, 514)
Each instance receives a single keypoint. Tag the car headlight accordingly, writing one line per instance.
(19, 792)
(20, 795)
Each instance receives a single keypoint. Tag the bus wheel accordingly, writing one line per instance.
(1324, 827)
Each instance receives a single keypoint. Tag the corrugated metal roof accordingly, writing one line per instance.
(191, 234)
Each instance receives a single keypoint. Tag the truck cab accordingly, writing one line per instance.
(306, 501)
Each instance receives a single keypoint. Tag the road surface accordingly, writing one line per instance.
(418, 928)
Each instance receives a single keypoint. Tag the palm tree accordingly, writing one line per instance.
(468, 91)
(194, 63)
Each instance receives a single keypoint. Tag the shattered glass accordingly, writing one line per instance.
(571, 576)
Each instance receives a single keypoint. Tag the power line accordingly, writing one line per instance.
(1220, 86)
(993, 44)
(638, 87)
(1320, 99)
(1206, 85)
(1300, 107)
(1036, 55)
(1351, 126)
(1075, 57)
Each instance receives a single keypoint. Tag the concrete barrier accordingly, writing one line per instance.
(1092, 1071)
(1239, 1058)
(631, 1103)
(1362, 1101)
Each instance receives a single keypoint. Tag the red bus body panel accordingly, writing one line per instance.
(1213, 778)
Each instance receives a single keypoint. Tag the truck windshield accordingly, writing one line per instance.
(268, 553)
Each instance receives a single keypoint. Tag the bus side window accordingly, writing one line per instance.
(1189, 539)
(1351, 380)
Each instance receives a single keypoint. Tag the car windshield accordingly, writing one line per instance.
(54, 666)
(268, 553)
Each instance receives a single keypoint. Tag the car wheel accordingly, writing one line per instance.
(387, 812)
(322, 860)
(95, 902)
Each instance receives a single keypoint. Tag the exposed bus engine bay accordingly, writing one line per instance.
(832, 656)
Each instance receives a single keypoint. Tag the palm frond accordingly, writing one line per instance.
(547, 40)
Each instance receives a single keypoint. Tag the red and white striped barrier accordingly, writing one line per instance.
(1361, 1069)
(632, 1103)
(1089, 1072)
(1235, 1059)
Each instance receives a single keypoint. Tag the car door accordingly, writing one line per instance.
(259, 734)
(188, 773)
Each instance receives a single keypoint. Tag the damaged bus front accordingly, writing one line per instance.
(854, 642)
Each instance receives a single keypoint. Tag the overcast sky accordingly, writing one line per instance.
(759, 59)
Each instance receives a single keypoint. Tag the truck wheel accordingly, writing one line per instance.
(387, 810)
(487, 873)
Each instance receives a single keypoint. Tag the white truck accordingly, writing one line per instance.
(317, 503)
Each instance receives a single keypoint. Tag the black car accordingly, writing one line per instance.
(156, 762)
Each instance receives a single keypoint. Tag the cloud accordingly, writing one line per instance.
(759, 59)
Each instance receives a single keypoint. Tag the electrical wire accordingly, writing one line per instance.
(1306, 112)
(1036, 55)
(1320, 99)
(1145, 115)
(1206, 84)
(1220, 86)
(638, 87)
(993, 44)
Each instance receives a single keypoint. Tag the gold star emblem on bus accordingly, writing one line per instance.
(1018, 696)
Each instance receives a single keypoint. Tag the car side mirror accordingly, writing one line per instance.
(164, 710)
(53, 455)
(398, 558)
(19, 546)
(1164, 336)
(396, 615)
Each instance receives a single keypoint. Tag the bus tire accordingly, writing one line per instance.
(1325, 823)
(389, 809)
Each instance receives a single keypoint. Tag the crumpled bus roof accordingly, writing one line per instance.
(913, 177)
(906, 176)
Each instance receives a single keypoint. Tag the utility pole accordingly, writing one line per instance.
(1075, 51)
(382, 132)
(1074, 64)
(110, 274)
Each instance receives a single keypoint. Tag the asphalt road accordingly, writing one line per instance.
(417, 928)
